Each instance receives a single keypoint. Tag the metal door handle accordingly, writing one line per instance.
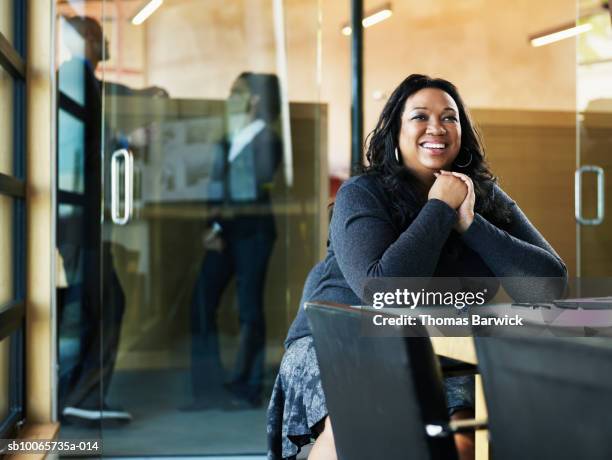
(128, 190)
(600, 195)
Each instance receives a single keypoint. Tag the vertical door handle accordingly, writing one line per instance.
(128, 189)
(600, 195)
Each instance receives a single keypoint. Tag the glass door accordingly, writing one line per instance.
(204, 187)
(594, 141)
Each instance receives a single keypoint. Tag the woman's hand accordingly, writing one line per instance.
(448, 188)
(466, 210)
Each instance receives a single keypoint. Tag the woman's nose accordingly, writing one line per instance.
(434, 127)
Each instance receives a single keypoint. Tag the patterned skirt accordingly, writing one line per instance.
(298, 405)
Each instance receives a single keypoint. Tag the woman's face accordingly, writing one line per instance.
(430, 135)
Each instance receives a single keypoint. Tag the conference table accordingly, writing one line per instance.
(462, 349)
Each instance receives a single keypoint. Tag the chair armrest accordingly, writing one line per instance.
(455, 426)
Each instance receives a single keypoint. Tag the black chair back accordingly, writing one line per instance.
(380, 391)
(547, 397)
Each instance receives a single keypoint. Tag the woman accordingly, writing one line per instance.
(430, 207)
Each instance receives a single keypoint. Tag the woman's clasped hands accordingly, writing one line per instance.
(457, 191)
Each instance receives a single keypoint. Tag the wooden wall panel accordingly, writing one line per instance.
(596, 149)
(534, 156)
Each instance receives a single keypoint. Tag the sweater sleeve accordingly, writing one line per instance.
(521, 251)
(367, 244)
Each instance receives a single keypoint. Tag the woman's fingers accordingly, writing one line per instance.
(460, 175)
(465, 178)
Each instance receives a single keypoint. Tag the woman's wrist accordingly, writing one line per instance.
(464, 223)
(442, 202)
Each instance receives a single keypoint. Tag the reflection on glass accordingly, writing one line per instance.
(166, 98)
(91, 305)
(73, 69)
(6, 19)
(71, 155)
(5, 376)
(6, 122)
(6, 250)
(238, 244)
(71, 248)
(178, 165)
(70, 241)
(594, 100)
(511, 102)
(595, 46)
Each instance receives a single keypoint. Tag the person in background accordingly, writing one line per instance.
(238, 242)
(426, 205)
(91, 306)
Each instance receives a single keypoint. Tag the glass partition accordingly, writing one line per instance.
(192, 177)
(594, 122)
(522, 97)
(192, 180)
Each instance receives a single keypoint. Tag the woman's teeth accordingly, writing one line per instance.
(429, 145)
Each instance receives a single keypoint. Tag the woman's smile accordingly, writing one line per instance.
(434, 147)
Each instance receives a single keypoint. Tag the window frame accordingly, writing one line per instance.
(12, 313)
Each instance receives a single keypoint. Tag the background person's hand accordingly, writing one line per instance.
(465, 213)
(212, 239)
(448, 188)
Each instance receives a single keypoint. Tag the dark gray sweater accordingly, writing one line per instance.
(365, 242)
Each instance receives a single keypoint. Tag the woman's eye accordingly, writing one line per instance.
(451, 118)
(418, 117)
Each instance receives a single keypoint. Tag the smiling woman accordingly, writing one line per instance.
(425, 127)
(426, 205)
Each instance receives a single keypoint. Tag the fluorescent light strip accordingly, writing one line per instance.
(370, 20)
(146, 11)
(561, 35)
(377, 17)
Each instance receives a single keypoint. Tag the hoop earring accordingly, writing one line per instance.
(397, 156)
(465, 165)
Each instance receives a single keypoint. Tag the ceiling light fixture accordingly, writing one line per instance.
(146, 11)
(561, 33)
(374, 17)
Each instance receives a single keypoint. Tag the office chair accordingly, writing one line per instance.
(384, 395)
(547, 397)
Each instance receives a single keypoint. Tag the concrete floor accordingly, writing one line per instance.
(160, 429)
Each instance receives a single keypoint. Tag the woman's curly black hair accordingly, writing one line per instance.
(398, 180)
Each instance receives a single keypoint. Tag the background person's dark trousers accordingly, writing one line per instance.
(246, 257)
(100, 330)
